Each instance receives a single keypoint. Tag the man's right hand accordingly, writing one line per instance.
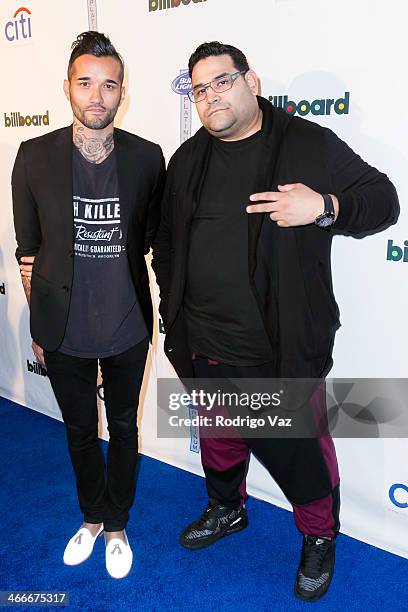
(26, 266)
(39, 354)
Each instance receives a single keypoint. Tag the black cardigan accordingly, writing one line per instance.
(289, 268)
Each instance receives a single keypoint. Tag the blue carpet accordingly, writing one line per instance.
(252, 570)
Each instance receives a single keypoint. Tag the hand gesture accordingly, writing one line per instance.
(294, 204)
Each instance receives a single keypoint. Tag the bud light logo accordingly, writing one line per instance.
(398, 494)
(182, 84)
(20, 27)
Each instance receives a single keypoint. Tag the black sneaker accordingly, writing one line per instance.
(316, 568)
(216, 522)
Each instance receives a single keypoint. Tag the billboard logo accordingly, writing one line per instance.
(36, 368)
(18, 120)
(396, 253)
(169, 4)
(341, 106)
(396, 498)
(20, 27)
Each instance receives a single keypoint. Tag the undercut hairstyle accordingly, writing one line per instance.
(97, 44)
(209, 49)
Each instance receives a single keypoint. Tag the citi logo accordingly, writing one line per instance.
(322, 106)
(18, 120)
(36, 368)
(398, 495)
(20, 27)
(396, 253)
(162, 5)
(3, 289)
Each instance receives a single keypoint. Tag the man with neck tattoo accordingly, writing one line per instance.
(86, 202)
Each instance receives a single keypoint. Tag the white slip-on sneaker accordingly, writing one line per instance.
(118, 557)
(80, 546)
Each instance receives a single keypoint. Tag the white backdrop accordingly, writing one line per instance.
(307, 51)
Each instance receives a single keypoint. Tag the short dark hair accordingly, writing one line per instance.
(97, 44)
(208, 49)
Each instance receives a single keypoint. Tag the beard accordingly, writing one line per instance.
(93, 122)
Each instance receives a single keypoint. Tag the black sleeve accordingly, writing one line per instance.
(153, 214)
(368, 201)
(26, 221)
(162, 244)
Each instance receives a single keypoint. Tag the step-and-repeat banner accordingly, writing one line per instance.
(338, 64)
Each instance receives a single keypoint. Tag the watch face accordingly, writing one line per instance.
(325, 220)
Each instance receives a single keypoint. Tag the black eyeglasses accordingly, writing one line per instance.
(223, 83)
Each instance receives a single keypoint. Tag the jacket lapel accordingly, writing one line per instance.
(60, 176)
(274, 130)
(196, 172)
(127, 169)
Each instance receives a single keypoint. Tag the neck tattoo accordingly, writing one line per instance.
(95, 150)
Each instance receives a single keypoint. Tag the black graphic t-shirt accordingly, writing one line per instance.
(104, 315)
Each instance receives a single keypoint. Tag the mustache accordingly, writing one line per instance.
(213, 110)
(95, 108)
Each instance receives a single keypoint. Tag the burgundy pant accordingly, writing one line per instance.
(304, 468)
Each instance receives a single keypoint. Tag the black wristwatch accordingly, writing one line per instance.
(326, 219)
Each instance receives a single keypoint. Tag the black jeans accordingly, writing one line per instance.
(105, 495)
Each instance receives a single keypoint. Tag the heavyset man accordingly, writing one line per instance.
(86, 204)
(242, 258)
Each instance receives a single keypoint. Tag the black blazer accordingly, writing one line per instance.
(44, 224)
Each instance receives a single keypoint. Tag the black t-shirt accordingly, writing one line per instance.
(223, 318)
(104, 314)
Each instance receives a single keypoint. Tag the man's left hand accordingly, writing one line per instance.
(26, 266)
(294, 204)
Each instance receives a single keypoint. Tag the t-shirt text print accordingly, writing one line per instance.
(98, 232)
